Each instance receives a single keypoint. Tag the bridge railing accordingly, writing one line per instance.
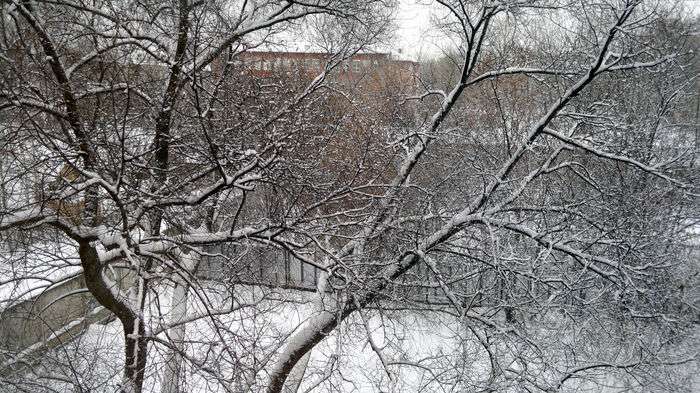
(49, 319)
(258, 266)
(280, 269)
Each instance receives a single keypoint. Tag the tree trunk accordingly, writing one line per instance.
(135, 351)
(178, 312)
(173, 367)
(135, 344)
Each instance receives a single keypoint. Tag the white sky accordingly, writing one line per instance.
(415, 37)
(415, 29)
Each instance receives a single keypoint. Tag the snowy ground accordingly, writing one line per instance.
(424, 352)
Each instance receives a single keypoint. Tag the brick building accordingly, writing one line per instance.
(374, 67)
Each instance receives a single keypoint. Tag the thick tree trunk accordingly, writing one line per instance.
(135, 343)
(296, 376)
(318, 327)
(134, 355)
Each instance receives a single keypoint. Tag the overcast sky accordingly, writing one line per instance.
(416, 35)
(415, 29)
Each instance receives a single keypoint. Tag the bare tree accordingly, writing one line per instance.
(543, 197)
